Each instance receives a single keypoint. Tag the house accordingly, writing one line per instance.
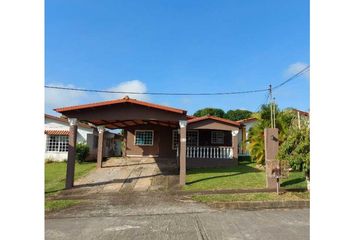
(56, 133)
(162, 132)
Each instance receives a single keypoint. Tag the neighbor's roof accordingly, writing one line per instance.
(198, 119)
(303, 113)
(65, 120)
(119, 101)
(57, 132)
(247, 120)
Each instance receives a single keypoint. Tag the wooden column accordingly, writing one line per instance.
(182, 153)
(100, 147)
(271, 144)
(70, 164)
(235, 145)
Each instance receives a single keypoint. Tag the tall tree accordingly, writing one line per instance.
(238, 114)
(217, 112)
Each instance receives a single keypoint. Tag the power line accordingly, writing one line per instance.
(183, 93)
(293, 77)
(157, 93)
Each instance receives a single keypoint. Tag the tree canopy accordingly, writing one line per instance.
(238, 114)
(217, 112)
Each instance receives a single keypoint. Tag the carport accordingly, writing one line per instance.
(122, 114)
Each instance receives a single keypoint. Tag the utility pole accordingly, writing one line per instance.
(271, 105)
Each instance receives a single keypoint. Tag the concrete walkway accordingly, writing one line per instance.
(130, 174)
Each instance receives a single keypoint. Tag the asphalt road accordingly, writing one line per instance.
(165, 217)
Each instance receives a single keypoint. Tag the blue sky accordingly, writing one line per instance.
(177, 46)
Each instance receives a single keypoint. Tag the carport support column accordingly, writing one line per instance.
(235, 145)
(182, 154)
(70, 164)
(100, 146)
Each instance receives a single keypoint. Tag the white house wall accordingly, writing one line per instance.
(51, 124)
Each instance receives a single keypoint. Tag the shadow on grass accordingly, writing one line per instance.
(242, 168)
(292, 182)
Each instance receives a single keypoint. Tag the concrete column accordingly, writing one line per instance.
(271, 144)
(70, 164)
(100, 147)
(235, 145)
(182, 153)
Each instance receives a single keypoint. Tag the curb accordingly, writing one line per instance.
(230, 191)
(261, 204)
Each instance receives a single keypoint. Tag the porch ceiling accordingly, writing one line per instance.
(130, 123)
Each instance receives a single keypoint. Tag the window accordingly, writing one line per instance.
(144, 137)
(192, 138)
(217, 137)
(57, 143)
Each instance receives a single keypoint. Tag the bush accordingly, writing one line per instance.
(296, 149)
(82, 152)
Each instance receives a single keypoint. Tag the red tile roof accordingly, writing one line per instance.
(197, 119)
(57, 132)
(118, 101)
(65, 120)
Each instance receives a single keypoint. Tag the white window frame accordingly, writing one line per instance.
(212, 139)
(152, 140)
(59, 144)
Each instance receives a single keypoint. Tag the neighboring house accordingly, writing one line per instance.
(56, 132)
(243, 136)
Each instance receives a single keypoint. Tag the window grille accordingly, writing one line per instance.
(144, 137)
(57, 143)
(217, 137)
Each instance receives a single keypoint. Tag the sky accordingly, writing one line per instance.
(177, 46)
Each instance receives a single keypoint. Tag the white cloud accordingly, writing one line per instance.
(55, 98)
(128, 86)
(295, 68)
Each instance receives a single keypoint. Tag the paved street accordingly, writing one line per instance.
(163, 216)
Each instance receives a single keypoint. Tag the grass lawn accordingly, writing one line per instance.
(51, 205)
(244, 176)
(55, 174)
(251, 197)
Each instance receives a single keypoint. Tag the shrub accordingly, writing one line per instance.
(296, 149)
(82, 152)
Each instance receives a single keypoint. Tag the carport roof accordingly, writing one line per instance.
(119, 101)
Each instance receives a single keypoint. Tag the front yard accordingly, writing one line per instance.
(244, 176)
(55, 174)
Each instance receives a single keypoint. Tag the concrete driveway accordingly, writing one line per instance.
(131, 174)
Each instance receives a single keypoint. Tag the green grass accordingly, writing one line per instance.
(55, 174)
(244, 176)
(54, 205)
(251, 197)
(295, 180)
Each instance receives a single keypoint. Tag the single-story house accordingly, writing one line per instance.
(162, 132)
(56, 134)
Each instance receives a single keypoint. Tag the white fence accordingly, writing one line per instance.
(209, 152)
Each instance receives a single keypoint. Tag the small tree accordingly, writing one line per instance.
(82, 152)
